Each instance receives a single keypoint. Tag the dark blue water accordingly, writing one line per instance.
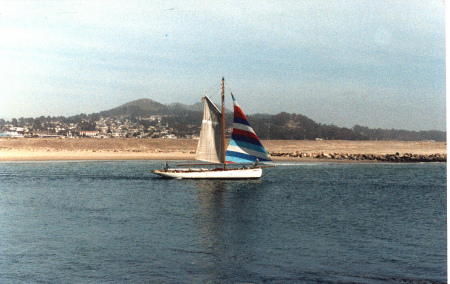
(95, 222)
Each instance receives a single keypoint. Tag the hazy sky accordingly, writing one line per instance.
(374, 63)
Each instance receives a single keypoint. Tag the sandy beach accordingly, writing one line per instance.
(29, 149)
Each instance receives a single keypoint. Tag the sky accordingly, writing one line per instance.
(379, 63)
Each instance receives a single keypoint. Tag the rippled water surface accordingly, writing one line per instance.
(95, 222)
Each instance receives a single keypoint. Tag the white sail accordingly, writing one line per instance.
(210, 144)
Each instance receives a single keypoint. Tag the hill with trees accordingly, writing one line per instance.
(184, 120)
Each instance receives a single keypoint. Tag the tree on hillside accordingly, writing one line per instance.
(37, 125)
(87, 125)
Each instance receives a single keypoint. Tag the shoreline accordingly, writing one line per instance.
(53, 149)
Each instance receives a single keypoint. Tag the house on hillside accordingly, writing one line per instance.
(15, 134)
(116, 134)
(89, 133)
(170, 136)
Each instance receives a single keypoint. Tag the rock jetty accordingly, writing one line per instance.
(395, 158)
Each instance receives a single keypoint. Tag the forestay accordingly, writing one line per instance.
(210, 144)
(244, 145)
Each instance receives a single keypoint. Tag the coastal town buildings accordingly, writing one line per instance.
(282, 126)
(111, 127)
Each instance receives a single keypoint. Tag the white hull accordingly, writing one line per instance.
(210, 174)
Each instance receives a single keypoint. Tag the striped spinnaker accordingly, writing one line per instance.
(244, 145)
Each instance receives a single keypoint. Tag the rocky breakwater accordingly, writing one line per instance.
(395, 158)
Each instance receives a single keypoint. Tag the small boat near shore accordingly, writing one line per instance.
(240, 160)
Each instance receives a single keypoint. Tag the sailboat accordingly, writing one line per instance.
(240, 160)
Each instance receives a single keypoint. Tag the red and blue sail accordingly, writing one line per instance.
(244, 146)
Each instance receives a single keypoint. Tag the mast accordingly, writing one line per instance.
(223, 123)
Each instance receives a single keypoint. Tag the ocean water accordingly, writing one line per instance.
(115, 222)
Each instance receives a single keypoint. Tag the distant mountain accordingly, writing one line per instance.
(141, 107)
(195, 107)
(280, 126)
(179, 107)
(186, 119)
(147, 107)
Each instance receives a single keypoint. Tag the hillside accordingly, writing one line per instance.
(184, 120)
(280, 126)
(141, 107)
(182, 107)
(283, 126)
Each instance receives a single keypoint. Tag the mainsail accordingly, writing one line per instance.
(244, 145)
(210, 144)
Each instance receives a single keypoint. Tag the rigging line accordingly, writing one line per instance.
(217, 89)
(229, 87)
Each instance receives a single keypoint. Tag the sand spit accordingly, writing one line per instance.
(36, 149)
